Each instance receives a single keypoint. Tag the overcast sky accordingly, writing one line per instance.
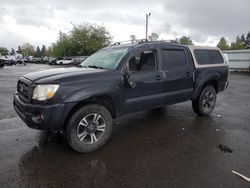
(39, 22)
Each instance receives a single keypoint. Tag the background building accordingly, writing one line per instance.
(238, 60)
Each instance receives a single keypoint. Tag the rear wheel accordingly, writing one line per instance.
(89, 128)
(205, 103)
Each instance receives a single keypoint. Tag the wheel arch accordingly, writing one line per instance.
(213, 81)
(103, 100)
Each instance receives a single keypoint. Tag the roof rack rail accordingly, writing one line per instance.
(171, 41)
(143, 41)
(122, 42)
(139, 41)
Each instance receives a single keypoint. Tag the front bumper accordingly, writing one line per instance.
(41, 117)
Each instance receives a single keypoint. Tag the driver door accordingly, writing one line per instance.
(146, 94)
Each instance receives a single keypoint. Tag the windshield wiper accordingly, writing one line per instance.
(93, 66)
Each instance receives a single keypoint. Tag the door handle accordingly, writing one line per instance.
(188, 74)
(158, 77)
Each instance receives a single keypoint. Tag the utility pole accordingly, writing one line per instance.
(147, 17)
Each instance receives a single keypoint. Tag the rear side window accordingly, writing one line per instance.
(204, 57)
(173, 59)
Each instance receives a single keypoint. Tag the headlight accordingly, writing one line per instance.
(44, 92)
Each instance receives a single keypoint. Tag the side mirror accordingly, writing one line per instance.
(128, 78)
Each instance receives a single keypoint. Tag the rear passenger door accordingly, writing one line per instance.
(176, 63)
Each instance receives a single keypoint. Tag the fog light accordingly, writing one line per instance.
(37, 117)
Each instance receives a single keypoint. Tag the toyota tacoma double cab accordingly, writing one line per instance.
(81, 102)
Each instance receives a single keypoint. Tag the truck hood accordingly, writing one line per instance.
(62, 74)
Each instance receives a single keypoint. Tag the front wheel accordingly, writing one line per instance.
(89, 128)
(206, 101)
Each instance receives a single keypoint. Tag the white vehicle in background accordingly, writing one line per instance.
(30, 58)
(10, 60)
(66, 61)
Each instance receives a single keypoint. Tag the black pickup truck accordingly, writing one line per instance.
(120, 79)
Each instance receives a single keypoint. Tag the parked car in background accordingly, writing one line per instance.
(52, 61)
(25, 59)
(78, 60)
(21, 61)
(36, 60)
(2, 61)
(10, 60)
(45, 60)
(30, 59)
(66, 61)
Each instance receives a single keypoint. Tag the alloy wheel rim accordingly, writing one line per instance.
(91, 128)
(208, 101)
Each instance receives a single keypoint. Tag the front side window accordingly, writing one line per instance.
(143, 62)
(107, 58)
(204, 57)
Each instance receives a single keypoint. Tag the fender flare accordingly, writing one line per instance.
(202, 81)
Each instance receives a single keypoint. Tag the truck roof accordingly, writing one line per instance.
(164, 44)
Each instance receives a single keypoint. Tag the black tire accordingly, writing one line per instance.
(61, 63)
(206, 101)
(75, 128)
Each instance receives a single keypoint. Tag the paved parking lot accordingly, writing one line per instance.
(171, 147)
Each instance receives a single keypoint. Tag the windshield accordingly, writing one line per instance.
(107, 59)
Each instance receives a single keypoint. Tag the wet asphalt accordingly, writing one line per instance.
(170, 147)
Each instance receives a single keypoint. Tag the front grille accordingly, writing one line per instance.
(24, 89)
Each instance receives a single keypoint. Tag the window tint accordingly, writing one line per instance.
(173, 59)
(208, 57)
(144, 61)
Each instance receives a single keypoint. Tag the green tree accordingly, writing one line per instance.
(83, 39)
(223, 44)
(4, 51)
(238, 44)
(49, 52)
(43, 51)
(247, 42)
(12, 52)
(19, 50)
(27, 49)
(153, 37)
(38, 52)
(184, 40)
(62, 46)
(243, 39)
(133, 38)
